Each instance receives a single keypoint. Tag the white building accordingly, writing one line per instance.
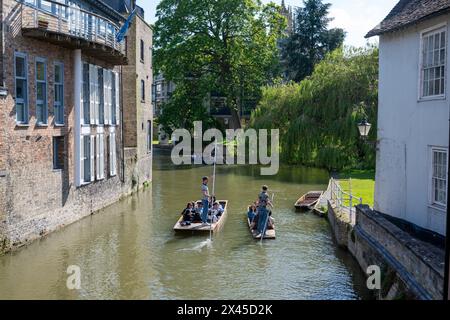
(413, 115)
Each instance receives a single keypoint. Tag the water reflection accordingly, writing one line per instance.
(130, 252)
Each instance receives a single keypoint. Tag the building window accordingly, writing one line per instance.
(439, 177)
(114, 97)
(87, 158)
(434, 63)
(143, 90)
(94, 94)
(112, 154)
(142, 51)
(101, 97)
(59, 94)
(58, 153)
(100, 156)
(85, 95)
(159, 89)
(41, 92)
(21, 77)
(108, 95)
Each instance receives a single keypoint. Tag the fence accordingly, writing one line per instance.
(344, 201)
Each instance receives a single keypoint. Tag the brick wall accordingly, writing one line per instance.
(137, 113)
(34, 198)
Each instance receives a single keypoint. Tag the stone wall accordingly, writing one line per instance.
(339, 224)
(418, 264)
(410, 268)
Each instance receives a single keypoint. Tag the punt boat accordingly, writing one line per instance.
(308, 201)
(199, 227)
(270, 233)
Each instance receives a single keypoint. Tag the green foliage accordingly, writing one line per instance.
(318, 117)
(311, 40)
(223, 46)
(185, 107)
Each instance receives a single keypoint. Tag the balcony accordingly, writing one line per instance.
(72, 28)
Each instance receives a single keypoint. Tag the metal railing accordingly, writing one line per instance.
(344, 201)
(67, 19)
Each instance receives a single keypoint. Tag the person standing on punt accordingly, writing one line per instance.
(205, 199)
(263, 202)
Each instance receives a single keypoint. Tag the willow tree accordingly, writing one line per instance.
(226, 46)
(318, 117)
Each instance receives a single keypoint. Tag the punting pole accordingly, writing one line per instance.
(214, 188)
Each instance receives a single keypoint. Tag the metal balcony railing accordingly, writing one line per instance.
(344, 201)
(55, 17)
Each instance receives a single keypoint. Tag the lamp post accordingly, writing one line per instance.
(364, 128)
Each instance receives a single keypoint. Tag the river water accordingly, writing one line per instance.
(129, 251)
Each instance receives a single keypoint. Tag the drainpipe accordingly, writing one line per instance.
(447, 235)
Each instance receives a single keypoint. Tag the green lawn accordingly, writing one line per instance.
(362, 184)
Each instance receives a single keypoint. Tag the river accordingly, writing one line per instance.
(129, 251)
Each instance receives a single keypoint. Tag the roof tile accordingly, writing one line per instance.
(407, 12)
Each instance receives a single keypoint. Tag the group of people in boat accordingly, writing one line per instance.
(208, 211)
(260, 213)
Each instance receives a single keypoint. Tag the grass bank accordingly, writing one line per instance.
(361, 183)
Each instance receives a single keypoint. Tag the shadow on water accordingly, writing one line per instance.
(129, 250)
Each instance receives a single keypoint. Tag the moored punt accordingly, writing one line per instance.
(308, 201)
(199, 227)
(270, 233)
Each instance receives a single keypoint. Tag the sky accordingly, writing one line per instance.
(356, 17)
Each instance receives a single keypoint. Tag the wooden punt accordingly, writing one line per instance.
(199, 227)
(270, 233)
(308, 201)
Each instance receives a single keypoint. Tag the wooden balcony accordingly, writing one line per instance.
(72, 28)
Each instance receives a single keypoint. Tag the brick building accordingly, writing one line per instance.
(62, 155)
(138, 109)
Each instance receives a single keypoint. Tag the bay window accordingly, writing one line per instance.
(100, 156)
(112, 154)
(87, 158)
(85, 96)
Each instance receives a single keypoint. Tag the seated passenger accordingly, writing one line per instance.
(212, 218)
(214, 213)
(198, 212)
(188, 214)
(217, 207)
(254, 224)
(251, 212)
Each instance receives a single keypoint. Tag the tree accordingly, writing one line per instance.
(318, 117)
(311, 40)
(184, 108)
(224, 46)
